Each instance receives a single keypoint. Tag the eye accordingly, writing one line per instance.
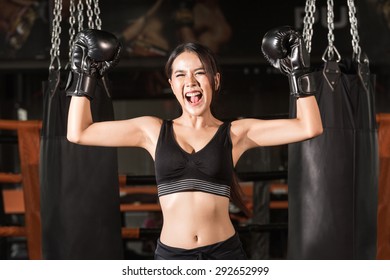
(198, 73)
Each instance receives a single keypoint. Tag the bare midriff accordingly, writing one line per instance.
(195, 219)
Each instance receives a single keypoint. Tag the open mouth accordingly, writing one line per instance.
(193, 97)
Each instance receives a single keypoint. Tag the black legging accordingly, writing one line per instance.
(230, 249)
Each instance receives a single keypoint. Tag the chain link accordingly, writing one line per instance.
(55, 35)
(354, 30)
(91, 24)
(331, 49)
(98, 20)
(56, 27)
(308, 21)
(93, 10)
(72, 21)
(330, 20)
(80, 16)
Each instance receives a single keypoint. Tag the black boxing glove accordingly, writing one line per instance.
(94, 53)
(285, 49)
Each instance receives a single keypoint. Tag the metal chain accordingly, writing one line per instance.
(80, 16)
(90, 14)
(354, 30)
(55, 35)
(330, 19)
(98, 20)
(308, 21)
(72, 21)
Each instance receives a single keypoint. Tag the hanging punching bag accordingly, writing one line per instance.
(333, 178)
(79, 184)
(79, 206)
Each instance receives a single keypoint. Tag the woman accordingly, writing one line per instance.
(194, 154)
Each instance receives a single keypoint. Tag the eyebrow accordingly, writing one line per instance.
(196, 69)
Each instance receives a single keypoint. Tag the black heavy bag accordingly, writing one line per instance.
(79, 184)
(333, 178)
(80, 212)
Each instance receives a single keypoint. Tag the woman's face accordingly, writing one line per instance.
(191, 85)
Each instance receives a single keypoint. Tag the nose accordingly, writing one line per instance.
(190, 80)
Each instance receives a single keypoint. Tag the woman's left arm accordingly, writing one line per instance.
(285, 49)
(251, 133)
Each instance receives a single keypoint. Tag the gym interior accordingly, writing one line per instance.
(354, 216)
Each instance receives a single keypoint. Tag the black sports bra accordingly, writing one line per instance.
(208, 170)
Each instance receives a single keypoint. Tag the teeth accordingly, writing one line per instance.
(189, 94)
(193, 97)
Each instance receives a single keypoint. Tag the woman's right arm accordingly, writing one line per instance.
(94, 52)
(136, 132)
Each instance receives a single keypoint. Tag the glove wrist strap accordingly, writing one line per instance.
(80, 84)
(303, 85)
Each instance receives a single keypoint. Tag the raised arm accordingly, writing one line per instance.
(94, 53)
(284, 48)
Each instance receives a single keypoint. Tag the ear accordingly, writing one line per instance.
(170, 83)
(217, 79)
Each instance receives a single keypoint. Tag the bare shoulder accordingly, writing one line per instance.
(149, 124)
(241, 127)
(247, 133)
(238, 130)
(144, 132)
(149, 120)
(239, 135)
(139, 129)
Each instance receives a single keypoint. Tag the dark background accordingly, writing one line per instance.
(139, 76)
(250, 87)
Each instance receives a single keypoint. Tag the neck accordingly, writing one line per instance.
(198, 121)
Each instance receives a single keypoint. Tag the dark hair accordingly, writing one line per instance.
(205, 55)
(209, 62)
(207, 58)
